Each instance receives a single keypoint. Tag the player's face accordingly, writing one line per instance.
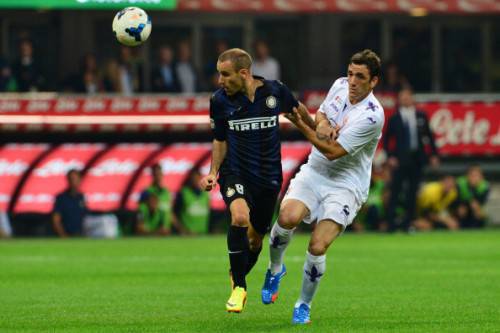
(74, 180)
(230, 80)
(360, 82)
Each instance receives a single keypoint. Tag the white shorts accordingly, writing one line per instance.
(324, 200)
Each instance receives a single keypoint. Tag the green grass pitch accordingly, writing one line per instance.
(435, 282)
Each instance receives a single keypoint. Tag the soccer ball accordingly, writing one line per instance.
(132, 26)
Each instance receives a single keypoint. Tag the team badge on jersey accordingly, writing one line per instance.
(230, 192)
(271, 102)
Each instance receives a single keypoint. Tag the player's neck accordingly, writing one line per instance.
(355, 101)
(251, 86)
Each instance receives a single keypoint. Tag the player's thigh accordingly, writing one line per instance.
(292, 212)
(262, 208)
(240, 212)
(302, 198)
(325, 232)
(236, 197)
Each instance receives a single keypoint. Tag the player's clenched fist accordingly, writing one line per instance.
(208, 182)
(324, 131)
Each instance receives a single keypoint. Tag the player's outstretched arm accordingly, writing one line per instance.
(219, 149)
(306, 116)
(330, 148)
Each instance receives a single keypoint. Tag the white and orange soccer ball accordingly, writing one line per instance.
(132, 26)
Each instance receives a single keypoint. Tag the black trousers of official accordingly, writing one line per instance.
(407, 177)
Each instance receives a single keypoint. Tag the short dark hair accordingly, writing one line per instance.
(368, 58)
(70, 171)
(240, 58)
(155, 167)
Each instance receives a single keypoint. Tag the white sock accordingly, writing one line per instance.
(314, 268)
(278, 241)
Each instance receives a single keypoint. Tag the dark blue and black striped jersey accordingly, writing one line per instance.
(251, 131)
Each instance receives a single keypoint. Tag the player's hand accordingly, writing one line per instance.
(324, 131)
(208, 182)
(295, 117)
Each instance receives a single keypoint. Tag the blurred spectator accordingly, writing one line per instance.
(155, 213)
(26, 69)
(111, 76)
(7, 80)
(5, 227)
(405, 141)
(151, 220)
(69, 208)
(192, 205)
(129, 72)
(164, 77)
(473, 192)
(375, 209)
(264, 65)
(434, 205)
(392, 80)
(211, 74)
(88, 79)
(185, 70)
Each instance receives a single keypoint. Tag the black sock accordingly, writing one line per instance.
(237, 244)
(252, 259)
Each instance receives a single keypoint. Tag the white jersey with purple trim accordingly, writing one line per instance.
(360, 130)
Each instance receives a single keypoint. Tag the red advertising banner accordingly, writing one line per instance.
(465, 129)
(349, 6)
(190, 113)
(49, 176)
(15, 160)
(176, 161)
(104, 113)
(105, 183)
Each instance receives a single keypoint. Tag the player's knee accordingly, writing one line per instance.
(288, 219)
(240, 219)
(317, 248)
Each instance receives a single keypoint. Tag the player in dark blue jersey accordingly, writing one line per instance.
(244, 116)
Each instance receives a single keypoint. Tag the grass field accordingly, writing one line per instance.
(436, 282)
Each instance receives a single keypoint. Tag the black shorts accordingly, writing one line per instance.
(260, 200)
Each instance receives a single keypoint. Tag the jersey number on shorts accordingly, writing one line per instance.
(240, 189)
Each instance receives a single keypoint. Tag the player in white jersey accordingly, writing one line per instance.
(331, 187)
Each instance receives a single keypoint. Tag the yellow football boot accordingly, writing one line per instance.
(237, 301)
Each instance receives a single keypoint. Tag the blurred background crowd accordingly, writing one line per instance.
(173, 71)
(75, 50)
(445, 57)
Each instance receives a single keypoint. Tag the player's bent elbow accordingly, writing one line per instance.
(335, 152)
(331, 156)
